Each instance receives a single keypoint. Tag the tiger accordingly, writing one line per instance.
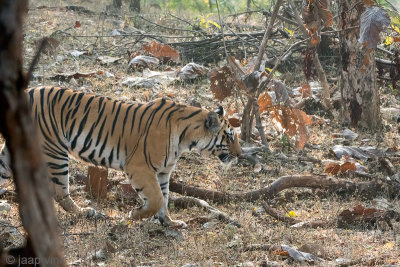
(144, 140)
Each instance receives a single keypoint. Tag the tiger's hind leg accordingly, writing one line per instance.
(163, 214)
(146, 185)
(5, 170)
(59, 180)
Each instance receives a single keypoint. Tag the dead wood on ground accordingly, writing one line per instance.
(215, 214)
(367, 189)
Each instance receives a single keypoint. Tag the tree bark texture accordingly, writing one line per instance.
(135, 5)
(358, 78)
(30, 174)
(117, 4)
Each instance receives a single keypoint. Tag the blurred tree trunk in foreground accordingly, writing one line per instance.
(30, 174)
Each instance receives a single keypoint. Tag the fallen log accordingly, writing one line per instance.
(368, 189)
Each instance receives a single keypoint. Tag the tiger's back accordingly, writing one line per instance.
(144, 140)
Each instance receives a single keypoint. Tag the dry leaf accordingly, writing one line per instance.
(235, 122)
(315, 11)
(162, 51)
(77, 24)
(192, 71)
(264, 102)
(372, 21)
(362, 153)
(291, 121)
(221, 83)
(306, 91)
(281, 93)
(335, 168)
(105, 60)
(332, 168)
(348, 166)
(360, 215)
(143, 62)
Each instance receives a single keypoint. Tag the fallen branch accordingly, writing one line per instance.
(216, 214)
(295, 222)
(367, 189)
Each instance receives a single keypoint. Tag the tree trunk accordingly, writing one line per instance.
(210, 4)
(134, 6)
(358, 78)
(248, 5)
(117, 4)
(17, 126)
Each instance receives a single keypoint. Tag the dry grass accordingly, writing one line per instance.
(220, 245)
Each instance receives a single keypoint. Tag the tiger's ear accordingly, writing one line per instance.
(220, 111)
(212, 122)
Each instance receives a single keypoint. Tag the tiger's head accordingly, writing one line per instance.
(220, 139)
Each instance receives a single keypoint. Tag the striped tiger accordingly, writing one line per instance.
(143, 140)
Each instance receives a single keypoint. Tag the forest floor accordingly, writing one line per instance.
(215, 243)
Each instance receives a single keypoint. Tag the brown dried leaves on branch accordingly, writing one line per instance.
(264, 102)
(372, 22)
(314, 13)
(222, 83)
(161, 51)
(288, 120)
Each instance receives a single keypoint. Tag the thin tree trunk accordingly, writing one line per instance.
(248, 5)
(134, 6)
(117, 4)
(358, 78)
(253, 96)
(325, 97)
(30, 173)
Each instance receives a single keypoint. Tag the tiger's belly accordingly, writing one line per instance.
(105, 156)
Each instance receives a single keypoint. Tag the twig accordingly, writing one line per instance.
(294, 222)
(287, 20)
(325, 96)
(255, 247)
(43, 43)
(78, 234)
(259, 126)
(267, 34)
(222, 29)
(185, 201)
(169, 28)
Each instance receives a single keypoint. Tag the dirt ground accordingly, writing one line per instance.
(122, 242)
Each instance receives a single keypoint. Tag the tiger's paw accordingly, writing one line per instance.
(174, 224)
(166, 221)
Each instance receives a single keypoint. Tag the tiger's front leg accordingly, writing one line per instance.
(163, 214)
(146, 185)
